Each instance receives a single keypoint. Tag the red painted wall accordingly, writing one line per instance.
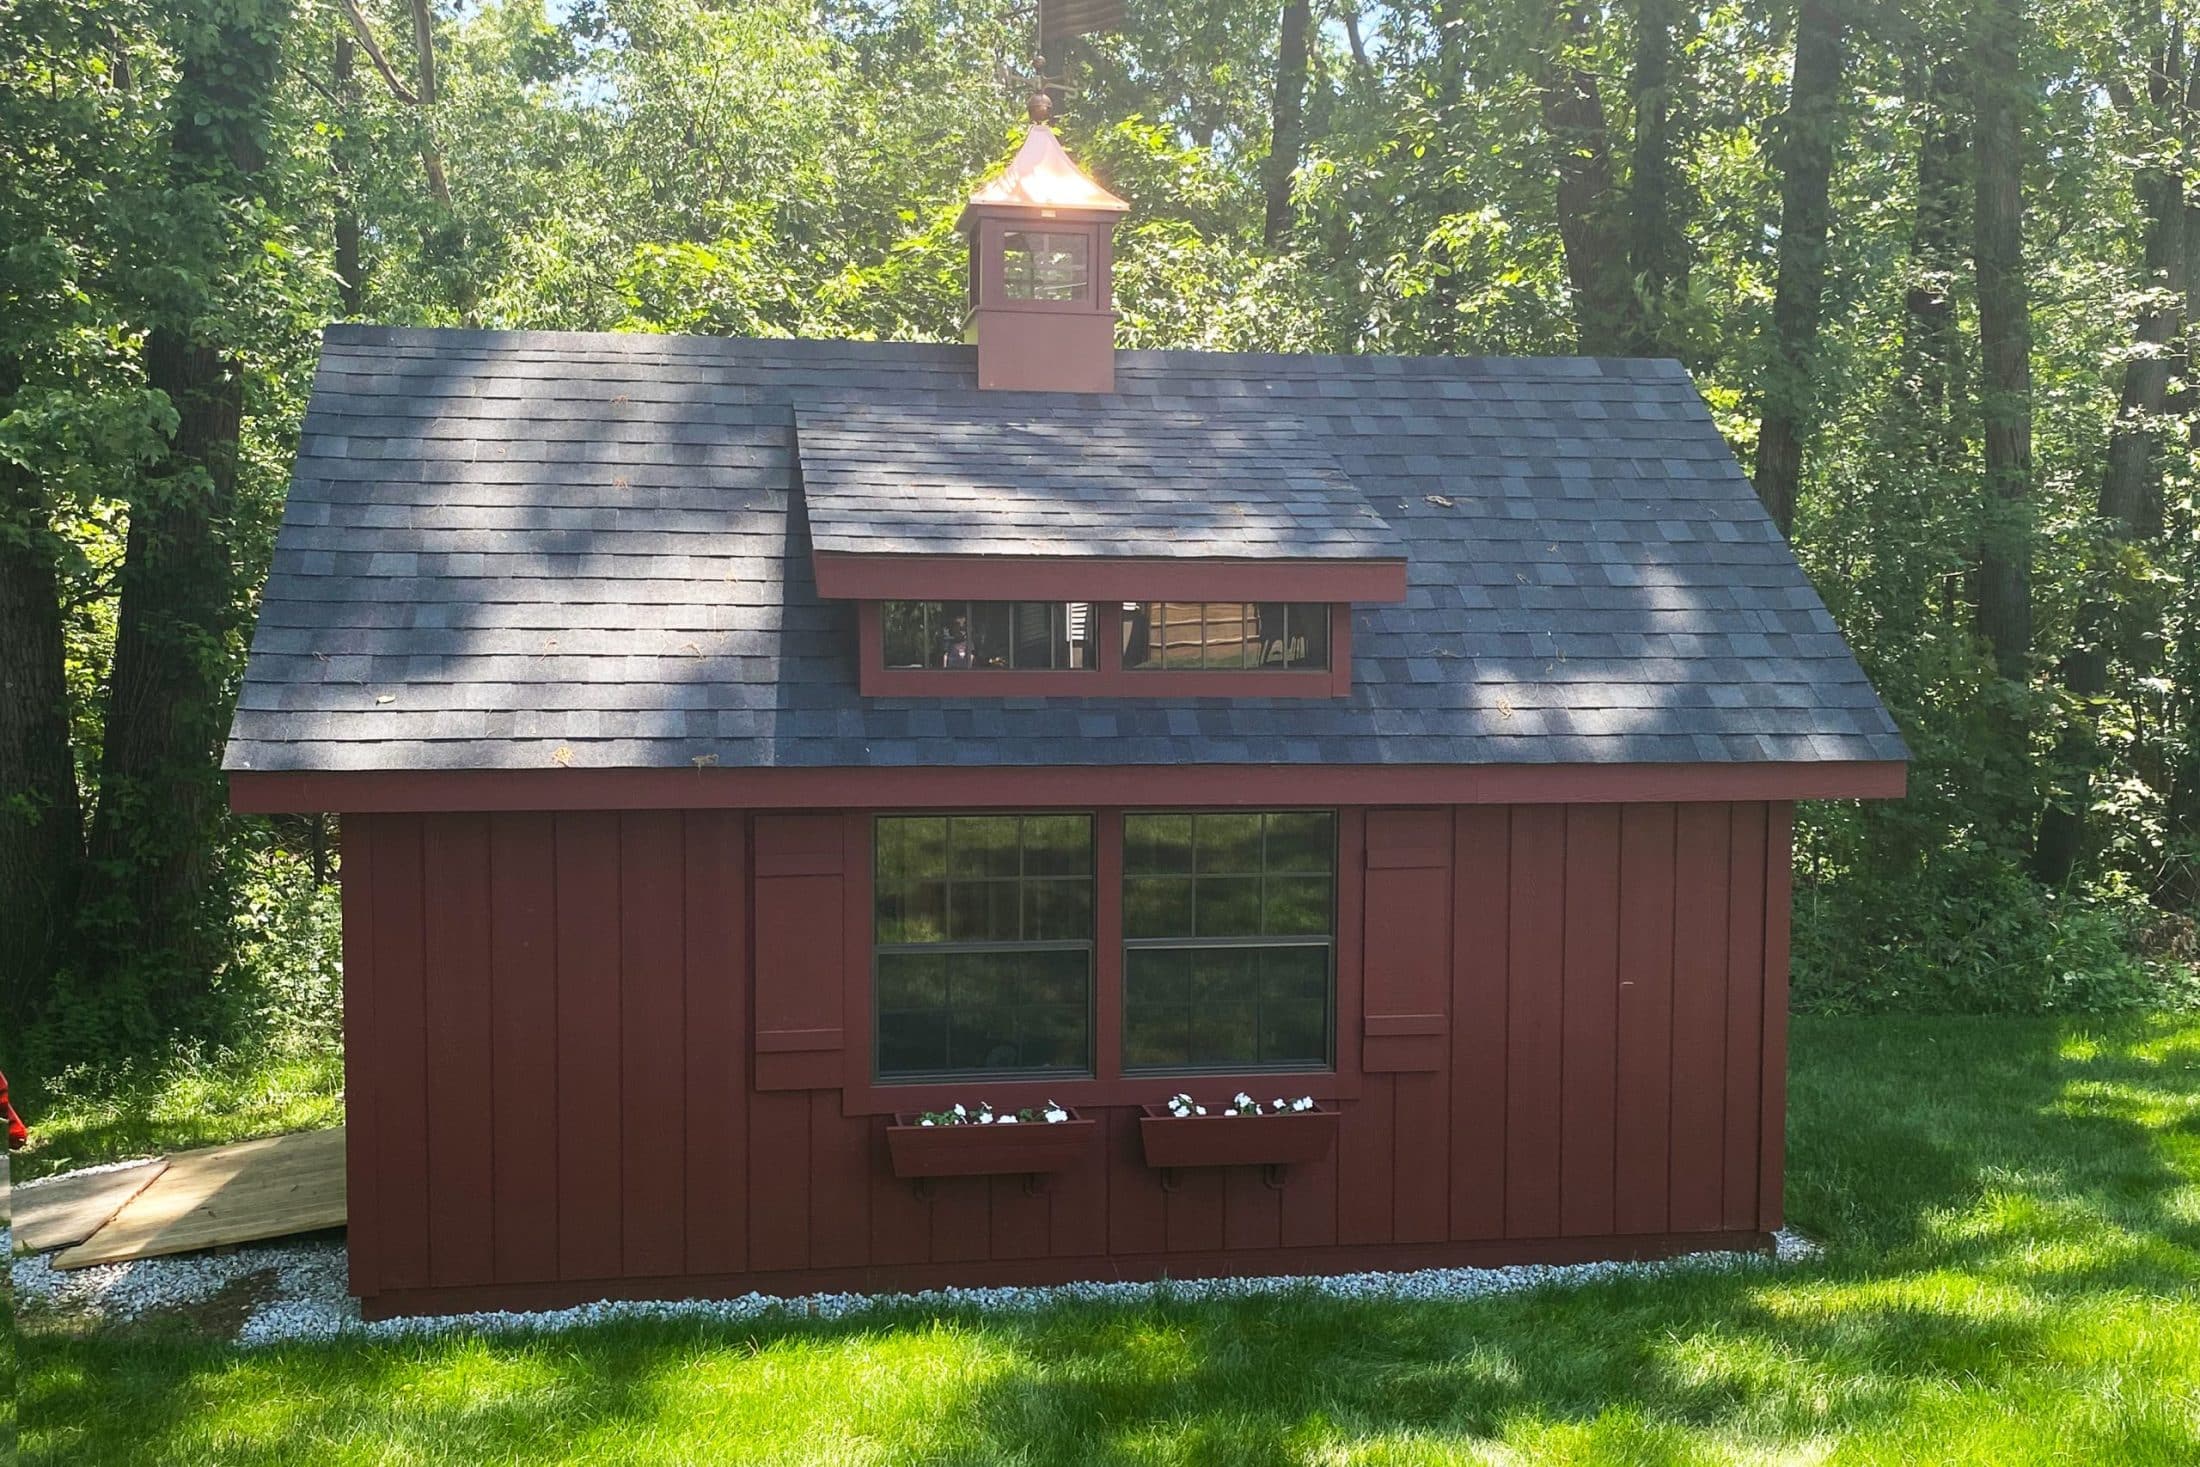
(601, 1054)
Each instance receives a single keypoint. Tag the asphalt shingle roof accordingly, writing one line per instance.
(1085, 479)
(505, 549)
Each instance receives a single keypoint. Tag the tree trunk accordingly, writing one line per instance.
(1657, 249)
(159, 788)
(1931, 349)
(2179, 887)
(1349, 12)
(351, 280)
(431, 156)
(1286, 134)
(2127, 477)
(153, 836)
(1606, 318)
(2004, 611)
(1811, 134)
(41, 829)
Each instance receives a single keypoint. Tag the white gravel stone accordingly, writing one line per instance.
(304, 1283)
(83, 1171)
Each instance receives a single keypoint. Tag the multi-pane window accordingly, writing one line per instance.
(1017, 635)
(1229, 938)
(1045, 266)
(983, 944)
(1225, 635)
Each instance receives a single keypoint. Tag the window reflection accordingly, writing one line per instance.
(1014, 635)
(983, 944)
(1225, 635)
(1228, 939)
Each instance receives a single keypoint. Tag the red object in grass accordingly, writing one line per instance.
(16, 1134)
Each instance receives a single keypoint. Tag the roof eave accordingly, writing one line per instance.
(700, 786)
(862, 576)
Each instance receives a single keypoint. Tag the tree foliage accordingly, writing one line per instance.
(1935, 268)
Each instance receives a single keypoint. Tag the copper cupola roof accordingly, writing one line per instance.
(1041, 176)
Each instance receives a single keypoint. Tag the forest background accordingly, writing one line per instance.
(1935, 266)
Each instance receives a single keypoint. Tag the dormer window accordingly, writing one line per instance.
(1225, 636)
(999, 636)
(1104, 649)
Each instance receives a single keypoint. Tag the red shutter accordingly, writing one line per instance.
(1406, 963)
(799, 891)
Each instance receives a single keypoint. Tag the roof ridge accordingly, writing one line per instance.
(647, 343)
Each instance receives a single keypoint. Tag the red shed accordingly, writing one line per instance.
(741, 745)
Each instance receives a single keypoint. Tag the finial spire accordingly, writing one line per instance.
(1039, 107)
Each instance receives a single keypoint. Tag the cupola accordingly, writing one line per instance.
(1042, 309)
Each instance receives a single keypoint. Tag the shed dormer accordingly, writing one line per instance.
(1042, 309)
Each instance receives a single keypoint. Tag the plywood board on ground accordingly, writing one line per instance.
(66, 1210)
(229, 1194)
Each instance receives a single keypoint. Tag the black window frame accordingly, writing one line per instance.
(1128, 944)
(948, 947)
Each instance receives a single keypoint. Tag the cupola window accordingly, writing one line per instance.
(1045, 266)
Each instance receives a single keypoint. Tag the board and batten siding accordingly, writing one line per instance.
(600, 1054)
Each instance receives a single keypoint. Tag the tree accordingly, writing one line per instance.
(1287, 133)
(2131, 464)
(41, 824)
(2004, 611)
(1607, 315)
(1930, 345)
(1657, 248)
(1810, 135)
(153, 837)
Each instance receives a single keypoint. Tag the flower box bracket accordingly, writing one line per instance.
(1272, 1176)
(1035, 1185)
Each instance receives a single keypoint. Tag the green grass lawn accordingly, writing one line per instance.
(2012, 1211)
(186, 1102)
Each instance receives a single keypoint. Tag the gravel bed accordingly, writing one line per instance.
(297, 1292)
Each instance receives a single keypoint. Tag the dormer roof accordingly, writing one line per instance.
(1041, 176)
(1116, 502)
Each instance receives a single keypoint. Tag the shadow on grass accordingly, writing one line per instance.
(2016, 1249)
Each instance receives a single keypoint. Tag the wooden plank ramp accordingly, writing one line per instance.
(228, 1194)
(67, 1210)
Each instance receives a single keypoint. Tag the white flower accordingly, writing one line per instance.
(925, 1121)
(1276, 1105)
(1304, 1102)
(985, 1118)
(1056, 1115)
(1008, 1120)
(959, 1110)
(1199, 1110)
(1242, 1098)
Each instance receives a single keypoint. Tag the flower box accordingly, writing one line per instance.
(1032, 1148)
(1280, 1138)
